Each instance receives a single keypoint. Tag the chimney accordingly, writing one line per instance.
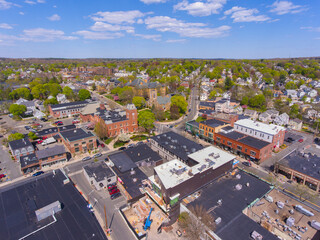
(102, 107)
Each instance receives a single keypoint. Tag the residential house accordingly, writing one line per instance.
(20, 148)
(163, 102)
(251, 113)
(282, 119)
(203, 96)
(313, 93)
(61, 98)
(295, 124)
(292, 94)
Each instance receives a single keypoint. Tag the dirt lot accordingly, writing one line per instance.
(274, 218)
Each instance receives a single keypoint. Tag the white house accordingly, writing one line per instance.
(203, 96)
(282, 119)
(61, 98)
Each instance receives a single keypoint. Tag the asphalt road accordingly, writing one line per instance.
(9, 167)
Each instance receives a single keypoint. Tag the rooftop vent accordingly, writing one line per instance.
(238, 187)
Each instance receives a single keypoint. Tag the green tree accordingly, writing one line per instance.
(15, 136)
(84, 94)
(53, 88)
(180, 102)
(17, 110)
(245, 100)
(68, 92)
(294, 111)
(213, 94)
(146, 119)
(291, 85)
(51, 101)
(159, 113)
(32, 136)
(257, 101)
(228, 83)
(101, 129)
(174, 112)
(38, 91)
(93, 87)
(21, 93)
(139, 102)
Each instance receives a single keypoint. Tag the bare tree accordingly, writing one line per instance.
(196, 222)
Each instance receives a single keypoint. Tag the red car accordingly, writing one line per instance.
(44, 138)
(114, 191)
(40, 141)
(2, 176)
(102, 145)
(111, 187)
(300, 140)
(75, 121)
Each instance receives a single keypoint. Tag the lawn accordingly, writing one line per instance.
(109, 140)
(139, 137)
(119, 144)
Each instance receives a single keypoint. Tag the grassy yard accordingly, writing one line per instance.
(139, 137)
(108, 140)
(119, 144)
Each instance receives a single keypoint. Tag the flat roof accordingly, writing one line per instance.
(213, 123)
(232, 135)
(28, 160)
(98, 170)
(305, 163)
(75, 134)
(18, 203)
(51, 151)
(259, 126)
(193, 123)
(55, 130)
(177, 144)
(122, 161)
(254, 142)
(142, 152)
(233, 201)
(69, 105)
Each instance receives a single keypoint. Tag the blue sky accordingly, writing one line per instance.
(159, 28)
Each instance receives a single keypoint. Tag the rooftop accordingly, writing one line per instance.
(177, 144)
(51, 151)
(193, 123)
(18, 203)
(208, 104)
(76, 134)
(28, 160)
(54, 130)
(122, 162)
(213, 123)
(262, 127)
(98, 170)
(21, 143)
(253, 142)
(69, 105)
(232, 202)
(142, 153)
(306, 163)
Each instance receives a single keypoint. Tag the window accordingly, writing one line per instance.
(120, 124)
(252, 153)
(229, 143)
(91, 140)
(245, 150)
(218, 139)
(223, 140)
(83, 142)
(239, 147)
(76, 149)
(268, 137)
(76, 144)
(109, 127)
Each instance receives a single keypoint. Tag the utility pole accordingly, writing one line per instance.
(105, 219)
(315, 133)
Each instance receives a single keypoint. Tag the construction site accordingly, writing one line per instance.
(145, 218)
(285, 217)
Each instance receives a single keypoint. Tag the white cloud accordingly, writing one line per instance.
(175, 40)
(198, 30)
(154, 37)
(21, 13)
(201, 8)
(153, 1)
(6, 5)
(240, 14)
(140, 21)
(99, 35)
(102, 27)
(41, 1)
(5, 26)
(284, 7)
(311, 29)
(44, 35)
(118, 17)
(54, 17)
(30, 2)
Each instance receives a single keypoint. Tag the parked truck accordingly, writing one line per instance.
(48, 141)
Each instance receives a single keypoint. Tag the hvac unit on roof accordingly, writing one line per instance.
(169, 137)
(217, 155)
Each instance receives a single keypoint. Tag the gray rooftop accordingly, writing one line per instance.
(51, 151)
(21, 143)
(98, 170)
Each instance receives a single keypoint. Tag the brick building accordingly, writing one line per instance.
(78, 140)
(66, 109)
(224, 117)
(208, 128)
(116, 121)
(50, 132)
(21, 147)
(246, 146)
(267, 132)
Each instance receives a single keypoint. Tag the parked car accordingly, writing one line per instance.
(178, 232)
(38, 173)
(111, 187)
(86, 158)
(2, 176)
(97, 155)
(75, 121)
(44, 138)
(300, 140)
(58, 123)
(40, 141)
(122, 148)
(248, 164)
(131, 145)
(102, 145)
(32, 130)
(114, 191)
(43, 119)
(116, 195)
(27, 127)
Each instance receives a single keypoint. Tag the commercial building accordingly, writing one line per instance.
(50, 132)
(224, 117)
(99, 175)
(226, 199)
(193, 127)
(302, 168)
(66, 109)
(21, 147)
(78, 140)
(243, 145)
(208, 128)
(267, 132)
(207, 105)
(171, 145)
(46, 207)
(174, 180)
(116, 121)
(43, 158)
